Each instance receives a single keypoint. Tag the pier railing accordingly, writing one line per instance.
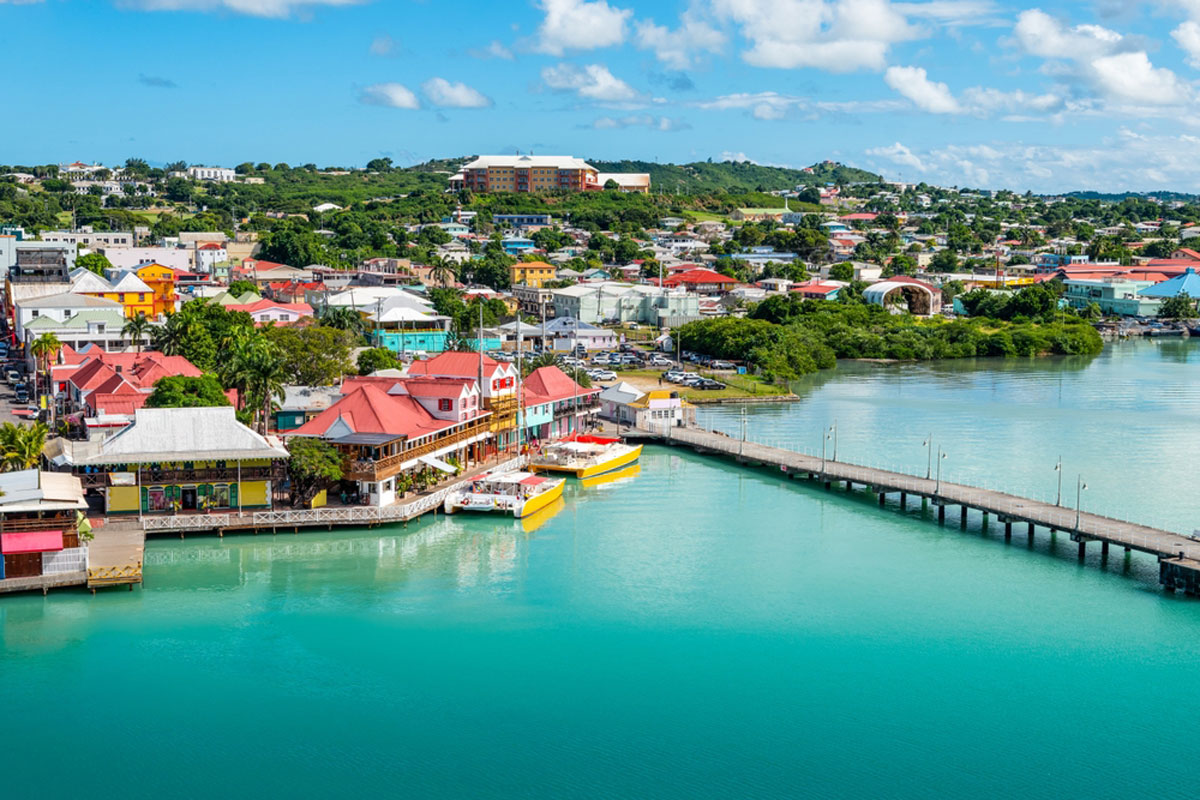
(1083, 526)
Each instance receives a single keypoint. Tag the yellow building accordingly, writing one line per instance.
(531, 273)
(180, 460)
(126, 288)
(161, 281)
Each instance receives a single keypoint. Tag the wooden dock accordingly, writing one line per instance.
(1178, 556)
(329, 517)
(116, 554)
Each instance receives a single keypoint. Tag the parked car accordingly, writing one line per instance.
(603, 375)
(660, 361)
(21, 395)
(673, 375)
(718, 364)
(12, 377)
(626, 347)
(709, 383)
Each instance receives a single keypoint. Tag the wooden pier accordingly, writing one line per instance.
(1178, 556)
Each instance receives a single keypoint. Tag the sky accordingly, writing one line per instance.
(1050, 97)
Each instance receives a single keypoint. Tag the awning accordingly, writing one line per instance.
(533, 480)
(30, 542)
(437, 463)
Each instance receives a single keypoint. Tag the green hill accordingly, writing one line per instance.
(735, 176)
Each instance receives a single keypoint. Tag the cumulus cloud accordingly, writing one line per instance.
(1131, 77)
(914, 83)
(1187, 36)
(445, 94)
(593, 82)
(1040, 34)
(761, 105)
(392, 95)
(254, 8)
(579, 25)
(664, 124)
(1125, 161)
(678, 48)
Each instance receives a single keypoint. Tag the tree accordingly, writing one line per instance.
(344, 318)
(312, 465)
(135, 328)
(95, 262)
(239, 288)
(379, 165)
(441, 270)
(842, 272)
(944, 261)
(21, 445)
(1181, 306)
(374, 359)
(44, 349)
(253, 365)
(311, 355)
(180, 391)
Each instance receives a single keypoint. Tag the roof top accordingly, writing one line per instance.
(547, 384)
(169, 434)
(369, 409)
(518, 161)
(70, 300)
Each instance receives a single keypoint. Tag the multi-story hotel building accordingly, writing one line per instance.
(527, 174)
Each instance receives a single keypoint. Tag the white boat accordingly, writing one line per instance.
(518, 493)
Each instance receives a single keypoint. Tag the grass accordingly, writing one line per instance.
(737, 387)
(706, 216)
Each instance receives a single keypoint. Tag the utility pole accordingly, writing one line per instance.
(941, 457)
(929, 459)
(1080, 487)
(1058, 469)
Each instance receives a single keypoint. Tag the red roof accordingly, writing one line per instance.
(30, 542)
(863, 215)
(1190, 253)
(454, 363)
(548, 384)
(699, 276)
(118, 403)
(371, 410)
(304, 309)
(437, 386)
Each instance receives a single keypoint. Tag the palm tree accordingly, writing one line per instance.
(252, 366)
(21, 446)
(441, 270)
(547, 359)
(345, 318)
(135, 328)
(45, 348)
(168, 338)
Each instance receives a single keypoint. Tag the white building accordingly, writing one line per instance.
(59, 308)
(209, 254)
(218, 174)
(130, 257)
(86, 237)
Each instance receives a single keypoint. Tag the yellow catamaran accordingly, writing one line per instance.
(586, 456)
(518, 493)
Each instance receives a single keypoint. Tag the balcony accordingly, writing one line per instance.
(175, 477)
(365, 469)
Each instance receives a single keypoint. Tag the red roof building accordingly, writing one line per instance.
(701, 280)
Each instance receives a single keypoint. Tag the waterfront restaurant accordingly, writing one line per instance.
(175, 460)
(39, 524)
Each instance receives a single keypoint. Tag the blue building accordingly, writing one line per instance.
(516, 245)
(521, 220)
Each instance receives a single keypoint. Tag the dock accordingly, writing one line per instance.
(116, 554)
(1178, 556)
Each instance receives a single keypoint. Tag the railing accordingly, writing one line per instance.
(383, 468)
(1081, 525)
(94, 480)
(63, 522)
(303, 517)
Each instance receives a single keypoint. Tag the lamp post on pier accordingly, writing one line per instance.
(1058, 469)
(928, 445)
(834, 429)
(1080, 488)
(941, 457)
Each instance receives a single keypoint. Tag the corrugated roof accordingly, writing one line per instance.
(175, 434)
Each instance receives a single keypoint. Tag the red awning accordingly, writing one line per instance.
(30, 542)
(533, 480)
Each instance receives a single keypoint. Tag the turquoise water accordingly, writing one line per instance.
(698, 630)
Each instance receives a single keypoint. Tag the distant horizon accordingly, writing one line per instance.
(1050, 97)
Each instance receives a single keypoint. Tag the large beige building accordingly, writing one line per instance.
(540, 174)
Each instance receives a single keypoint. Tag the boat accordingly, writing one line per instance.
(518, 493)
(611, 477)
(585, 456)
(539, 518)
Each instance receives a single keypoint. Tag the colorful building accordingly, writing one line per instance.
(527, 174)
(180, 459)
(531, 273)
(161, 281)
(126, 288)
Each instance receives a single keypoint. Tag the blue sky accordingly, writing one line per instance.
(959, 92)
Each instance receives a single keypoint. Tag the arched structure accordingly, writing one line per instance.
(912, 295)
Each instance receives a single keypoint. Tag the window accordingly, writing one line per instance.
(444, 404)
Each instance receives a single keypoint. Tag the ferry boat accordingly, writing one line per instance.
(518, 493)
(586, 456)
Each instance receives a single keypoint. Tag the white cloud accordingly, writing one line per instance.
(983, 101)
(914, 83)
(384, 46)
(836, 36)
(1187, 36)
(898, 154)
(579, 25)
(254, 8)
(493, 50)
(740, 157)
(593, 82)
(1126, 161)
(675, 48)
(393, 95)
(663, 124)
(445, 94)
(1040, 34)
(1132, 78)
(762, 105)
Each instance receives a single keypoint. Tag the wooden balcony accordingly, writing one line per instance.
(383, 468)
(55, 521)
(99, 480)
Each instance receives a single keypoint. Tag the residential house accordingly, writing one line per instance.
(264, 311)
(497, 380)
(531, 273)
(208, 255)
(302, 403)
(58, 308)
(134, 296)
(701, 281)
(553, 405)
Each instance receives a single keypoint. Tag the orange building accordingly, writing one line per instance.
(531, 273)
(527, 174)
(161, 281)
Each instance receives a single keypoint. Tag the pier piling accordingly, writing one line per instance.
(882, 498)
(903, 500)
(964, 517)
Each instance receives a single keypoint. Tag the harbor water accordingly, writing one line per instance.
(695, 629)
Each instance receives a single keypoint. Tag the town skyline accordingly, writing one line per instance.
(1048, 97)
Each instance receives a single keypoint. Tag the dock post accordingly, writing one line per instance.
(903, 501)
(882, 498)
(1007, 530)
(1031, 533)
(941, 515)
(964, 516)
(1103, 552)
(1082, 549)
(828, 484)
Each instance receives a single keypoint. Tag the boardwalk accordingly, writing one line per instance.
(328, 517)
(1179, 556)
